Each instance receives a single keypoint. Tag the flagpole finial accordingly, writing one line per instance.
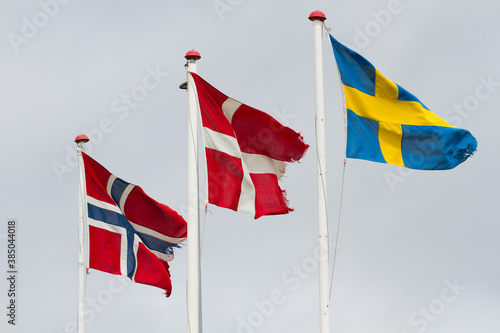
(317, 15)
(193, 55)
(82, 138)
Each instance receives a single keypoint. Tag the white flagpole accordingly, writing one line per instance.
(80, 142)
(317, 18)
(193, 221)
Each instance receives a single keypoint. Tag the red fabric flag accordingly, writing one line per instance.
(246, 152)
(130, 233)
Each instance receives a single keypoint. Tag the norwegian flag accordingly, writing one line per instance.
(246, 152)
(130, 233)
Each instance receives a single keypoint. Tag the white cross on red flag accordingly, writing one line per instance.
(246, 153)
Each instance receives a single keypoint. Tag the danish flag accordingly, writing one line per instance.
(246, 152)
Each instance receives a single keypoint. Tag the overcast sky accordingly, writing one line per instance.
(418, 251)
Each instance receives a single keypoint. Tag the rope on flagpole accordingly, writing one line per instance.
(338, 226)
(342, 93)
(326, 29)
(202, 236)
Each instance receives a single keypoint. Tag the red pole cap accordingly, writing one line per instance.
(193, 55)
(317, 15)
(82, 138)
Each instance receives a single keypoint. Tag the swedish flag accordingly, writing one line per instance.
(387, 124)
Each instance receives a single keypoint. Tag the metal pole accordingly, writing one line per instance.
(193, 232)
(317, 18)
(80, 142)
